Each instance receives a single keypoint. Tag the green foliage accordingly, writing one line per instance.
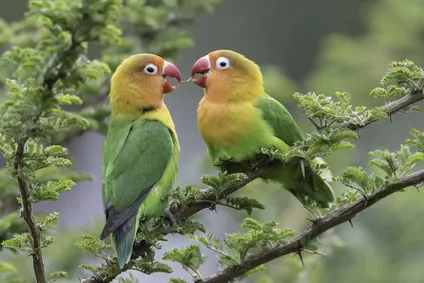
(323, 111)
(19, 241)
(418, 142)
(404, 73)
(216, 194)
(190, 259)
(58, 275)
(244, 203)
(92, 244)
(98, 248)
(130, 279)
(177, 280)
(222, 182)
(395, 165)
(357, 179)
(46, 55)
(6, 267)
(236, 247)
(9, 225)
(324, 143)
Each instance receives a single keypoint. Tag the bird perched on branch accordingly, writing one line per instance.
(236, 118)
(141, 150)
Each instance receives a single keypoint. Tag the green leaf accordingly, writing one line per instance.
(92, 244)
(244, 203)
(20, 241)
(190, 259)
(6, 267)
(51, 190)
(58, 275)
(223, 181)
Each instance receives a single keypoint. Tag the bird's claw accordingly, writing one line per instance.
(171, 217)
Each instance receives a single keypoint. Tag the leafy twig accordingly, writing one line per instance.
(321, 225)
(391, 108)
(196, 206)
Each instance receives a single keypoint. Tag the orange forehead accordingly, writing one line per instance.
(213, 56)
(158, 62)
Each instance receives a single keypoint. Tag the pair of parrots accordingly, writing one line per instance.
(235, 118)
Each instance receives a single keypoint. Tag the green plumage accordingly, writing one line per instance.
(276, 127)
(236, 118)
(139, 164)
(285, 128)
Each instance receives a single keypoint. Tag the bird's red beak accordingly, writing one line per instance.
(169, 70)
(202, 66)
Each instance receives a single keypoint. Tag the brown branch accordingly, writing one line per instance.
(18, 165)
(333, 219)
(37, 257)
(391, 108)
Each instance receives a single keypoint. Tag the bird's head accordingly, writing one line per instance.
(227, 73)
(141, 81)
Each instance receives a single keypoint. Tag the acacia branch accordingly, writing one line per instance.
(27, 214)
(391, 108)
(321, 225)
(333, 219)
(18, 166)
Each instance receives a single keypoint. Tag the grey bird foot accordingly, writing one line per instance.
(171, 217)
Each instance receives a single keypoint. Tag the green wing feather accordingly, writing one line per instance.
(313, 184)
(135, 156)
(280, 120)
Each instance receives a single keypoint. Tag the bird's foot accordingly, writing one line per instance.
(171, 217)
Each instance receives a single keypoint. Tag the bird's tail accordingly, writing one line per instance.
(313, 184)
(124, 237)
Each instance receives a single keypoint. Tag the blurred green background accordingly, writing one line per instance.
(321, 46)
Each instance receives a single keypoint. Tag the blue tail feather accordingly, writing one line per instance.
(124, 240)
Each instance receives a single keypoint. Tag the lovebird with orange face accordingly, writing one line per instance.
(236, 118)
(141, 150)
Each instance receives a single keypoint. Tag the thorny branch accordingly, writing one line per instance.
(18, 165)
(37, 257)
(391, 108)
(319, 226)
(333, 219)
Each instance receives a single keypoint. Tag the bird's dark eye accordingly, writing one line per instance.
(151, 69)
(222, 63)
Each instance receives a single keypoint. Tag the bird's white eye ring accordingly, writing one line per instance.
(222, 63)
(151, 69)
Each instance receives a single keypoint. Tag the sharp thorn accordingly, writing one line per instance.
(390, 118)
(299, 253)
(302, 166)
(350, 222)
(314, 221)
